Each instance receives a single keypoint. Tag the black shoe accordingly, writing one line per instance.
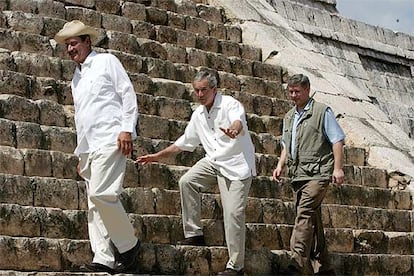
(290, 271)
(330, 272)
(97, 267)
(231, 272)
(196, 241)
(127, 261)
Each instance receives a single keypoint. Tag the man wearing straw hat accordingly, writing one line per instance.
(105, 116)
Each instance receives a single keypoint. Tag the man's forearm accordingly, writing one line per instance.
(337, 149)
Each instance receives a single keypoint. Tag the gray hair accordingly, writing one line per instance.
(299, 79)
(212, 80)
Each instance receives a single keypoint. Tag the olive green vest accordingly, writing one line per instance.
(313, 158)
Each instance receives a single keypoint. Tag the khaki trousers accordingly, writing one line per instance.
(307, 242)
(108, 223)
(233, 198)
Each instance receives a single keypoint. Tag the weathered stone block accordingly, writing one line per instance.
(197, 25)
(196, 57)
(166, 202)
(51, 113)
(6, 62)
(157, 229)
(156, 16)
(138, 200)
(70, 115)
(250, 52)
(9, 40)
(25, 22)
(68, 67)
(196, 260)
(211, 13)
(123, 42)
(229, 48)
(185, 73)
(277, 212)
(259, 262)
(29, 135)
(254, 210)
(207, 43)
(340, 240)
(337, 216)
(34, 43)
(262, 236)
(187, 8)
(143, 29)
(133, 11)
(228, 81)
(374, 177)
(89, 17)
(64, 165)
(173, 108)
(7, 133)
(218, 62)
(252, 85)
(241, 66)
(132, 63)
(19, 221)
(186, 39)
(354, 156)
(233, 33)
(175, 54)
(165, 34)
(176, 20)
(37, 162)
(75, 252)
(157, 68)
(59, 139)
(262, 105)
(16, 189)
(170, 260)
(18, 109)
(219, 258)
(165, 179)
(151, 48)
(11, 161)
(57, 193)
(107, 6)
(213, 231)
(280, 107)
(116, 23)
(37, 65)
(131, 174)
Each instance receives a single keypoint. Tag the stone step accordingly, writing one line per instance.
(111, 26)
(163, 195)
(58, 255)
(26, 221)
(358, 264)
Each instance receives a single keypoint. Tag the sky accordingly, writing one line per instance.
(397, 15)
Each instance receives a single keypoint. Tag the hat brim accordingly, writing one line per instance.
(64, 34)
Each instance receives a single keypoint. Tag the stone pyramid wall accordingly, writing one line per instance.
(162, 43)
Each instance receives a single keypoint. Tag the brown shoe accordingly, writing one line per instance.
(195, 241)
(230, 272)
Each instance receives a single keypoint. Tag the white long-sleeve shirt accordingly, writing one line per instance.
(234, 158)
(105, 102)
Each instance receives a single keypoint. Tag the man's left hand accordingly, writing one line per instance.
(338, 177)
(125, 143)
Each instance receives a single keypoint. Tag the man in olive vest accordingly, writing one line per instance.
(312, 147)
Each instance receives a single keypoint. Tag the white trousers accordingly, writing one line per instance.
(233, 198)
(108, 223)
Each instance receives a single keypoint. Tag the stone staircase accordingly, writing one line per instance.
(162, 43)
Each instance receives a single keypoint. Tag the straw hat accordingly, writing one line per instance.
(75, 28)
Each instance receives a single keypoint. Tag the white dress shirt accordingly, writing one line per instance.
(105, 102)
(234, 158)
